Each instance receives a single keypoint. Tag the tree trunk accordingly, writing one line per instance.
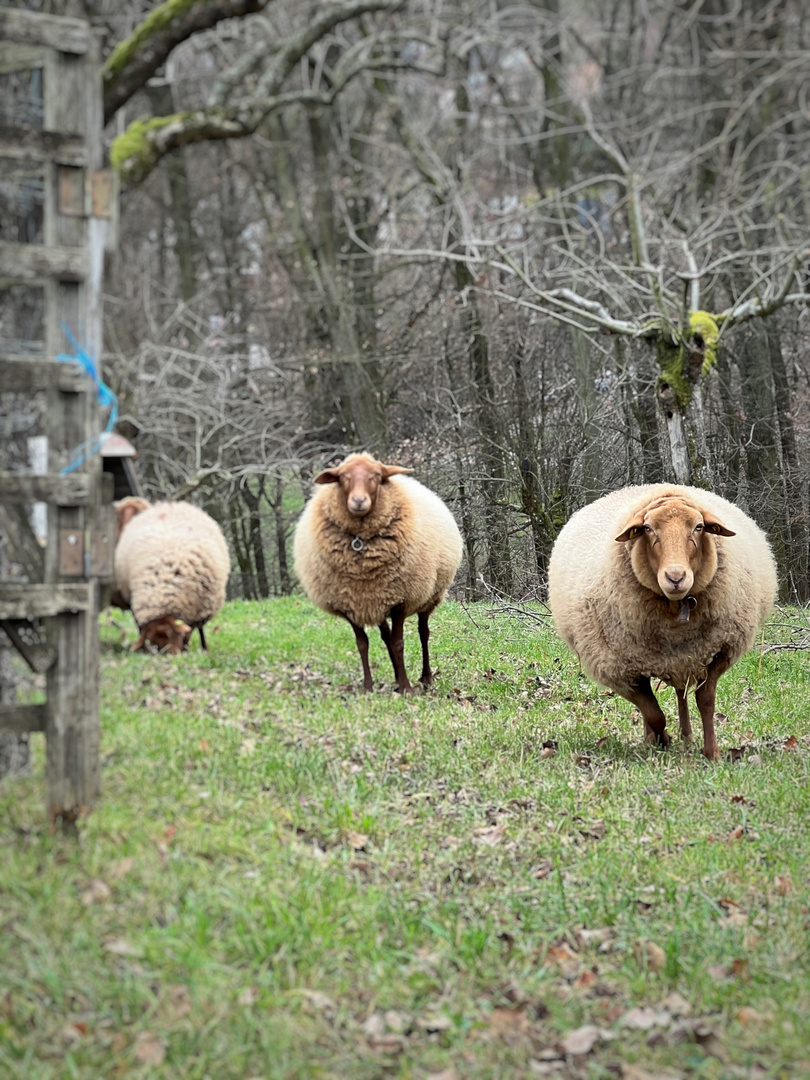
(587, 407)
(491, 453)
(276, 505)
(796, 561)
(241, 547)
(531, 493)
(161, 96)
(766, 494)
(254, 536)
(682, 425)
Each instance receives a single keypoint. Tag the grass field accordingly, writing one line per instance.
(284, 877)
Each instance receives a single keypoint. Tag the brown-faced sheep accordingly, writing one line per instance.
(371, 544)
(171, 569)
(661, 582)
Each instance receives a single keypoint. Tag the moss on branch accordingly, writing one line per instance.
(675, 348)
(133, 153)
(155, 22)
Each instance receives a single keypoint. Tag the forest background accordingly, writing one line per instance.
(534, 250)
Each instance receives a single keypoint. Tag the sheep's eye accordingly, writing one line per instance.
(698, 528)
(647, 528)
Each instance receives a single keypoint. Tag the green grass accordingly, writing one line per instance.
(284, 877)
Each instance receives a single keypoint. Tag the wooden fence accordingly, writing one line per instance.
(55, 225)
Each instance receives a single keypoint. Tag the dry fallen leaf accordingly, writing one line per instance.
(734, 915)
(676, 1004)
(97, 892)
(71, 1033)
(648, 954)
(718, 972)
(150, 1049)
(583, 1039)
(120, 868)
(433, 1023)
(585, 981)
(249, 996)
(177, 1001)
(505, 1023)
(595, 830)
(119, 947)
(783, 883)
(490, 834)
(635, 1072)
(592, 937)
(642, 1018)
(748, 1015)
(709, 1041)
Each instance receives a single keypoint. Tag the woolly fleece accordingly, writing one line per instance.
(621, 630)
(172, 559)
(411, 551)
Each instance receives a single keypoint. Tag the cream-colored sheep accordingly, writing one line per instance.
(371, 544)
(171, 569)
(661, 582)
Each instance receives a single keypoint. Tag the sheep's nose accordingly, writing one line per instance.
(676, 577)
(358, 504)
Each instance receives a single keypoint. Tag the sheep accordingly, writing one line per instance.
(374, 543)
(171, 569)
(661, 582)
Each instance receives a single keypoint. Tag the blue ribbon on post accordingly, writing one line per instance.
(105, 398)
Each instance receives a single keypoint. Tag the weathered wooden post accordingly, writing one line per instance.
(59, 202)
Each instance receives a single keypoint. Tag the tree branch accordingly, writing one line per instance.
(138, 57)
(145, 142)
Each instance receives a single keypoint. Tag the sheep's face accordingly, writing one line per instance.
(360, 477)
(167, 634)
(672, 549)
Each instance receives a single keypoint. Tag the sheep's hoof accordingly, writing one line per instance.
(657, 738)
(712, 753)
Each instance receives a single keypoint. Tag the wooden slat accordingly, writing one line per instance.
(21, 718)
(26, 376)
(43, 601)
(33, 145)
(58, 32)
(27, 261)
(70, 490)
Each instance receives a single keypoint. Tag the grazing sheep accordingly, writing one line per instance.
(661, 582)
(171, 569)
(373, 543)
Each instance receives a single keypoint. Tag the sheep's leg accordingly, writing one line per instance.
(385, 634)
(642, 696)
(705, 697)
(397, 648)
(683, 714)
(361, 637)
(202, 638)
(426, 678)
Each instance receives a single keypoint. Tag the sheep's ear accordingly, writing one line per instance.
(328, 476)
(393, 470)
(631, 530)
(712, 524)
(127, 509)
